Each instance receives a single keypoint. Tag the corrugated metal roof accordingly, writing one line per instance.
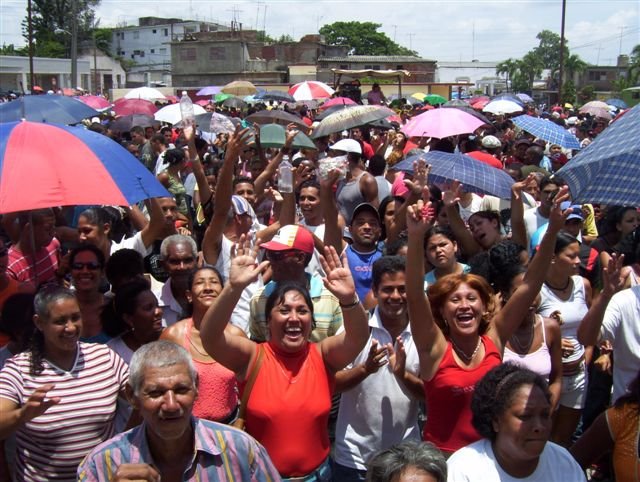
(374, 58)
(468, 65)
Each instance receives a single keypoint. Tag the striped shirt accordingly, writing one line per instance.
(50, 446)
(327, 313)
(222, 453)
(21, 266)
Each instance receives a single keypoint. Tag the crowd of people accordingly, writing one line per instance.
(364, 324)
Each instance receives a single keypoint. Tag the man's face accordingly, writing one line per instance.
(392, 297)
(180, 261)
(246, 190)
(137, 138)
(365, 229)
(149, 132)
(133, 149)
(356, 134)
(169, 211)
(156, 146)
(286, 264)
(166, 401)
(43, 230)
(167, 136)
(547, 194)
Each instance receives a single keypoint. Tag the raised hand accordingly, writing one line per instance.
(237, 142)
(244, 269)
(519, 186)
(37, 403)
(452, 195)
(338, 279)
(418, 185)
(290, 136)
(557, 217)
(376, 358)
(397, 357)
(420, 217)
(613, 277)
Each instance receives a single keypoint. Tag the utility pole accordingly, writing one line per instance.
(411, 35)
(598, 58)
(74, 44)
(30, 42)
(95, 63)
(473, 42)
(395, 31)
(318, 18)
(564, 7)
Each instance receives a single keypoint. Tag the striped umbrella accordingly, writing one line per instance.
(311, 89)
(547, 130)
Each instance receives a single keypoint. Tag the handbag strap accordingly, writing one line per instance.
(250, 382)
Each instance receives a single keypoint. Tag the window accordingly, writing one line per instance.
(368, 67)
(153, 51)
(163, 51)
(597, 75)
(166, 32)
(217, 53)
(187, 54)
(155, 31)
(399, 67)
(376, 67)
(136, 34)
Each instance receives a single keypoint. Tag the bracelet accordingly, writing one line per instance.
(353, 304)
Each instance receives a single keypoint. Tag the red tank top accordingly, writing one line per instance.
(288, 409)
(448, 395)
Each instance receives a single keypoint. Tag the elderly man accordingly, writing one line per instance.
(172, 444)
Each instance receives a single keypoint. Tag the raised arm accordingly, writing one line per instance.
(518, 228)
(450, 199)
(332, 228)
(204, 191)
(13, 416)
(340, 350)
(416, 188)
(429, 339)
(233, 351)
(512, 313)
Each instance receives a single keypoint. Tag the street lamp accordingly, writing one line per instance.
(74, 42)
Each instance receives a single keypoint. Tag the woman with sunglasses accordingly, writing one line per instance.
(86, 263)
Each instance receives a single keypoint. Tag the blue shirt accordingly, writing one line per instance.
(361, 266)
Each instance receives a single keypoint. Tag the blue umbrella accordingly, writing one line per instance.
(511, 97)
(607, 170)
(547, 130)
(53, 109)
(276, 95)
(619, 103)
(524, 97)
(475, 176)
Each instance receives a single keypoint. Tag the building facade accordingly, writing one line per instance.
(50, 74)
(422, 70)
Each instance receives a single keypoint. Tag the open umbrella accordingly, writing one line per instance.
(210, 90)
(480, 104)
(596, 110)
(276, 95)
(274, 135)
(146, 93)
(595, 103)
(275, 117)
(608, 169)
(476, 176)
(469, 110)
(502, 106)
(618, 103)
(95, 102)
(53, 109)
(126, 122)
(418, 96)
(234, 102)
(134, 106)
(96, 169)
(547, 130)
(332, 110)
(239, 87)
(337, 101)
(221, 97)
(171, 113)
(508, 96)
(213, 122)
(350, 118)
(455, 103)
(311, 89)
(434, 99)
(524, 97)
(441, 123)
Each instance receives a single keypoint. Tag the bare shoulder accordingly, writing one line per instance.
(174, 332)
(234, 330)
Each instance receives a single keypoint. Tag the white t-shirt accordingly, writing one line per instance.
(379, 412)
(620, 326)
(477, 463)
(473, 207)
(134, 242)
(314, 266)
(533, 220)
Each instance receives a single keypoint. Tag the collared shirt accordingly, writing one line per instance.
(326, 311)
(171, 309)
(221, 453)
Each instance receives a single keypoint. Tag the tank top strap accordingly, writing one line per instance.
(544, 332)
(187, 333)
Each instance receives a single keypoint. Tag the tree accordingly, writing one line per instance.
(569, 92)
(586, 94)
(363, 38)
(508, 67)
(634, 65)
(548, 50)
(573, 64)
(12, 50)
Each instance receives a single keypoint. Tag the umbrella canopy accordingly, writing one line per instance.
(96, 169)
(276, 95)
(476, 176)
(502, 106)
(53, 109)
(477, 98)
(469, 110)
(332, 110)
(596, 110)
(212, 122)
(419, 96)
(221, 97)
(274, 135)
(234, 102)
(524, 97)
(171, 113)
(434, 99)
(338, 101)
(350, 118)
(618, 103)
(511, 97)
(455, 103)
(202, 102)
(276, 117)
(441, 123)
(146, 93)
(95, 101)
(608, 169)
(134, 106)
(311, 89)
(547, 130)
(126, 122)
(480, 104)
(210, 90)
(595, 103)
(239, 87)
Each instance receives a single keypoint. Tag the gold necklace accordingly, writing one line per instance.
(523, 349)
(193, 345)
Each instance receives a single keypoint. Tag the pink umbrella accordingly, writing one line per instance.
(441, 123)
(480, 104)
(203, 102)
(95, 101)
(337, 101)
(311, 89)
(134, 106)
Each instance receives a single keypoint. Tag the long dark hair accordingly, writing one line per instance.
(124, 303)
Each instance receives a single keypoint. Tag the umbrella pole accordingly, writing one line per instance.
(32, 241)
(399, 86)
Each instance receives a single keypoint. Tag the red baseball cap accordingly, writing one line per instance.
(291, 236)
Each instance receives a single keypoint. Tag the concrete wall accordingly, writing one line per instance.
(49, 73)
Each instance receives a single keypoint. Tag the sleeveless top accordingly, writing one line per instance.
(448, 395)
(572, 310)
(361, 267)
(539, 361)
(217, 386)
(349, 196)
(288, 408)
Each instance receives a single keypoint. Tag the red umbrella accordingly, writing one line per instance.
(95, 101)
(134, 106)
(480, 104)
(37, 88)
(69, 92)
(337, 101)
(172, 99)
(311, 89)
(202, 102)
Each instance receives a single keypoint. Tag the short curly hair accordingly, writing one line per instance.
(494, 394)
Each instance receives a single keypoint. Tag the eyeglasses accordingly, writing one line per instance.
(91, 265)
(282, 255)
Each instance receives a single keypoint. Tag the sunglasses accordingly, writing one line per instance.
(91, 265)
(281, 255)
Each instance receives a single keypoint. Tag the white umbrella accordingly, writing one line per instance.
(311, 89)
(146, 93)
(502, 106)
(171, 113)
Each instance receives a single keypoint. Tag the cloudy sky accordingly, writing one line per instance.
(487, 30)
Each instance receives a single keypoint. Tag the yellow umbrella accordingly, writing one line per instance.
(568, 106)
(239, 88)
(419, 95)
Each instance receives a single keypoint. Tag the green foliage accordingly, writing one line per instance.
(548, 50)
(103, 39)
(620, 84)
(634, 65)
(12, 50)
(569, 92)
(363, 38)
(284, 39)
(262, 36)
(586, 94)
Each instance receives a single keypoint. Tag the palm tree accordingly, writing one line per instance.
(508, 67)
(573, 64)
(531, 67)
(634, 65)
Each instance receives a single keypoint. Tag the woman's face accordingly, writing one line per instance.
(568, 260)
(91, 233)
(441, 251)
(86, 271)
(61, 327)
(290, 322)
(630, 221)
(389, 213)
(484, 231)
(146, 319)
(523, 429)
(206, 287)
(463, 310)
